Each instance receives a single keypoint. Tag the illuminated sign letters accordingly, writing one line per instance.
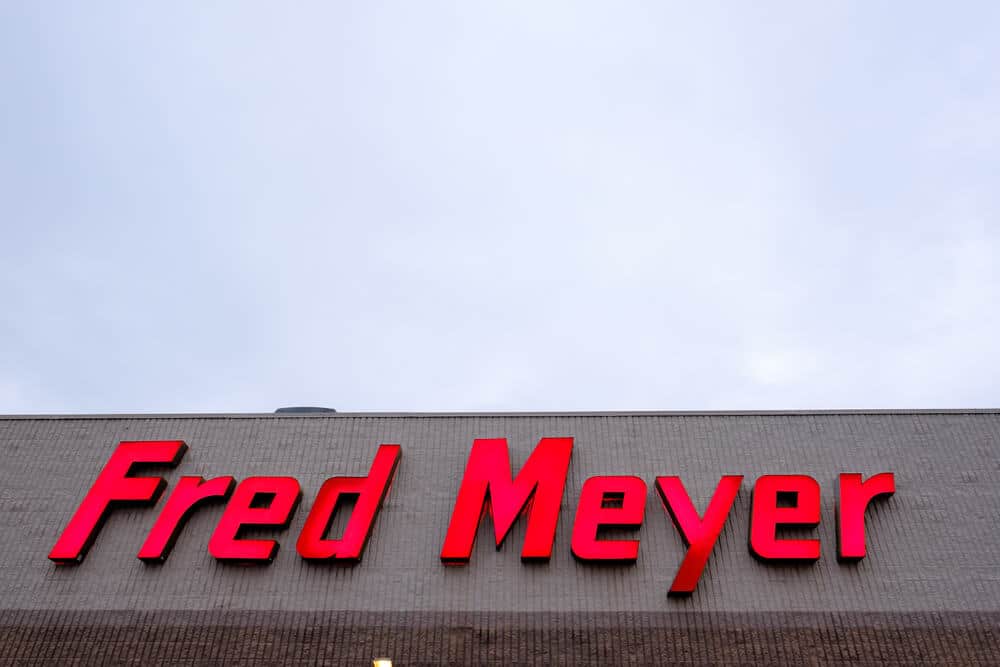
(699, 533)
(608, 502)
(488, 487)
(369, 492)
(114, 488)
(784, 500)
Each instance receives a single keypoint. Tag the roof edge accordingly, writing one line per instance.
(471, 414)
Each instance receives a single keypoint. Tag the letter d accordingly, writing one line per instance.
(369, 491)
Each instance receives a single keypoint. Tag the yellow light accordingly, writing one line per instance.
(381, 662)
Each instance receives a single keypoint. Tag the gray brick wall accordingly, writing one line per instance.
(934, 547)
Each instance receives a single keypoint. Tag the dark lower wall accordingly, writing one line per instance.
(352, 638)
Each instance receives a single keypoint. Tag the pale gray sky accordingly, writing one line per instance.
(498, 206)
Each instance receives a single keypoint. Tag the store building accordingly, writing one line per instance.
(404, 565)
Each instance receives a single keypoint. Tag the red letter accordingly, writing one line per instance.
(487, 487)
(369, 492)
(247, 508)
(596, 510)
(189, 492)
(700, 534)
(113, 488)
(855, 496)
(798, 496)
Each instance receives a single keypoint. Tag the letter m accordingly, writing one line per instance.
(487, 487)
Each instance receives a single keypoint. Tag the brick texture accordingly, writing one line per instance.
(929, 590)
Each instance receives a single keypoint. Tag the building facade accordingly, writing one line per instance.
(926, 590)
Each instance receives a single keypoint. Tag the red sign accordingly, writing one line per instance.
(488, 487)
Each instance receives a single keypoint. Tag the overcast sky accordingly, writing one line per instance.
(498, 206)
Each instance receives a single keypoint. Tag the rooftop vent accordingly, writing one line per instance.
(302, 409)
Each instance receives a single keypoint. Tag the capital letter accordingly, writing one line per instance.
(700, 534)
(487, 487)
(855, 497)
(189, 492)
(784, 500)
(257, 501)
(113, 487)
(608, 502)
(369, 491)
